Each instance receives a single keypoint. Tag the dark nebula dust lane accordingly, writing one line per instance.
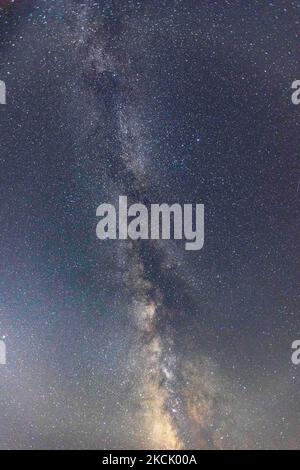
(122, 344)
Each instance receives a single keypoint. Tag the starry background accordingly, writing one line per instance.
(136, 345)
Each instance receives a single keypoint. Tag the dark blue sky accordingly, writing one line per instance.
(145, 345)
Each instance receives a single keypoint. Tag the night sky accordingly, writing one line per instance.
(140, 344)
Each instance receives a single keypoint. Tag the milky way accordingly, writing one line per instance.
(140, 344)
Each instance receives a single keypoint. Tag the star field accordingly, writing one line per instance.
(142, 345)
